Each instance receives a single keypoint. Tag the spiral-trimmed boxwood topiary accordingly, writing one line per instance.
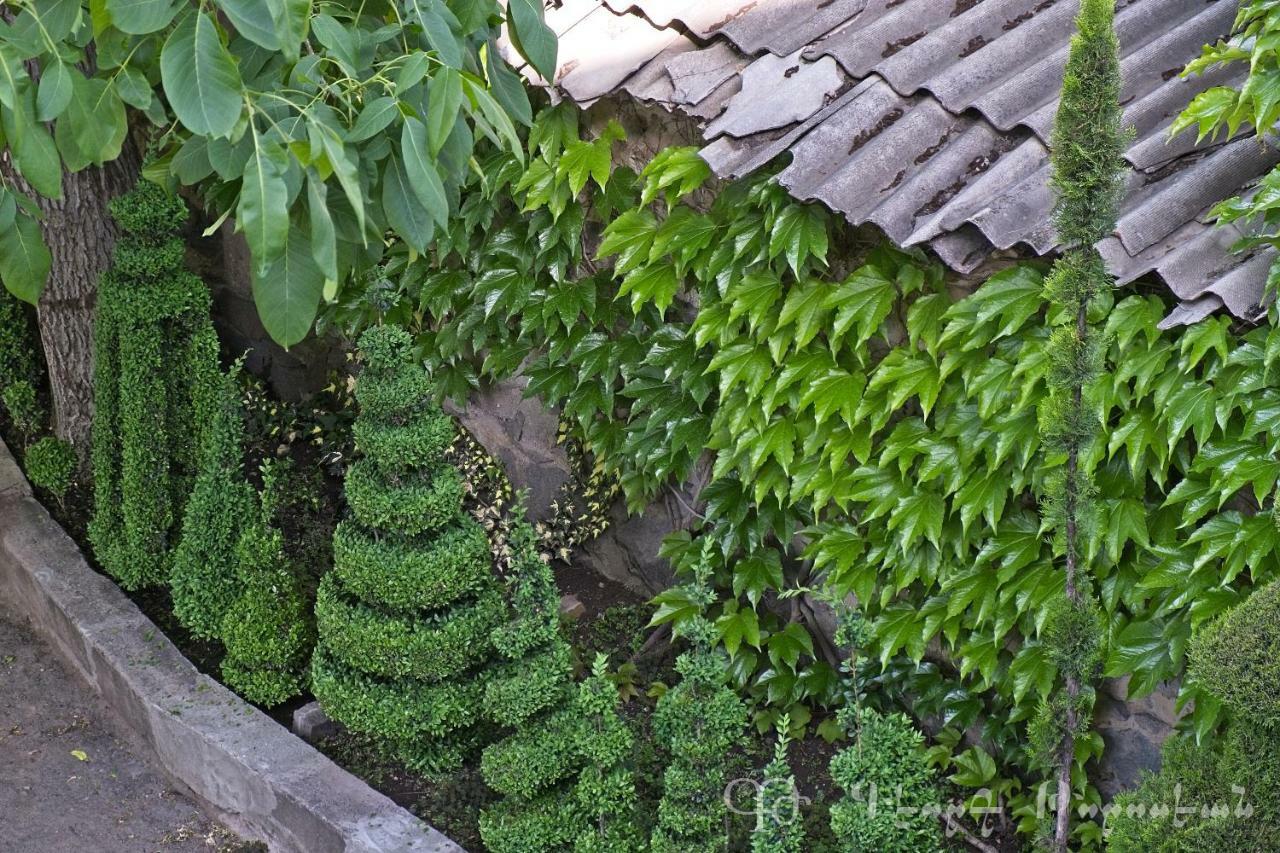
(405, 617)
(411, 573)
(409, 504)
(427, 648)
(155, 361)
(700, 720)
(204, 581)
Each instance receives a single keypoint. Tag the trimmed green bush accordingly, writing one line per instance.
(51, 465)
(1237, 657)
(156, 362)
(562, 770)
(267, 630)
(1234, 658)
(19, 398)
(887, 761)
(205, 579)
(17, 341)
(605, 794)
(411, 573)
(779, 824)
(405, 617)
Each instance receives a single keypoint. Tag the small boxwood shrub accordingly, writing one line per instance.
(699, 721)
(51, 465)
(20, 403)
(155, 359)
(563, 771)
(267, 630)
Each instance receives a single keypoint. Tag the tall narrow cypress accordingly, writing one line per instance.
(1087, 150)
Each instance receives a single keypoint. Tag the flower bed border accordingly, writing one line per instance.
(246, 769)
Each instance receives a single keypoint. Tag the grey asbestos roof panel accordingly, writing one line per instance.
(931, 118)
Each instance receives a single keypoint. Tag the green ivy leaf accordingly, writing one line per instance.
(756, 574)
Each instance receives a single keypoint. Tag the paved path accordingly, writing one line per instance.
(67, 783)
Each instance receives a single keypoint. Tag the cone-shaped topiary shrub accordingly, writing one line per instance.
(536, 767)
(1222, 797)
(405, 616)
(156, 359)
(700, 721)
(883, 770)
(606, 790)
(205, 578)
(267, 629)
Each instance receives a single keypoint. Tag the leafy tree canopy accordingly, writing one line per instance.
(319, 125)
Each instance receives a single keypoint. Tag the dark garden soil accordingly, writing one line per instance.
(70, 781)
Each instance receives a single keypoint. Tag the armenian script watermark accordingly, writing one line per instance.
(742, 796)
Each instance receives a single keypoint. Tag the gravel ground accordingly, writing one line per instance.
(68, 784)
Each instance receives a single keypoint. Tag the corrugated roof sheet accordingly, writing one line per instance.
(930, 118)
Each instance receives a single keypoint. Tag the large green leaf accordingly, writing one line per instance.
(292, 19)
(139, 17)
(435, 18)
(55, 91)
(288, 291)
(200, 78)
(92, 129)
(24, 259)
(252, 19)
(421, 171)
(263, 211)
(36, 157)
(443, 101)
(532, 37)
(404, 211)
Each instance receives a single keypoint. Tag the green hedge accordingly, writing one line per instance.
(51, 465)
(406, 574)
(520, 689)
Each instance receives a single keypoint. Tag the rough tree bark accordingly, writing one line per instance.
(80, 234)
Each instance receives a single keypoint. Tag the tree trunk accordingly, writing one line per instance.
(80, 234)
